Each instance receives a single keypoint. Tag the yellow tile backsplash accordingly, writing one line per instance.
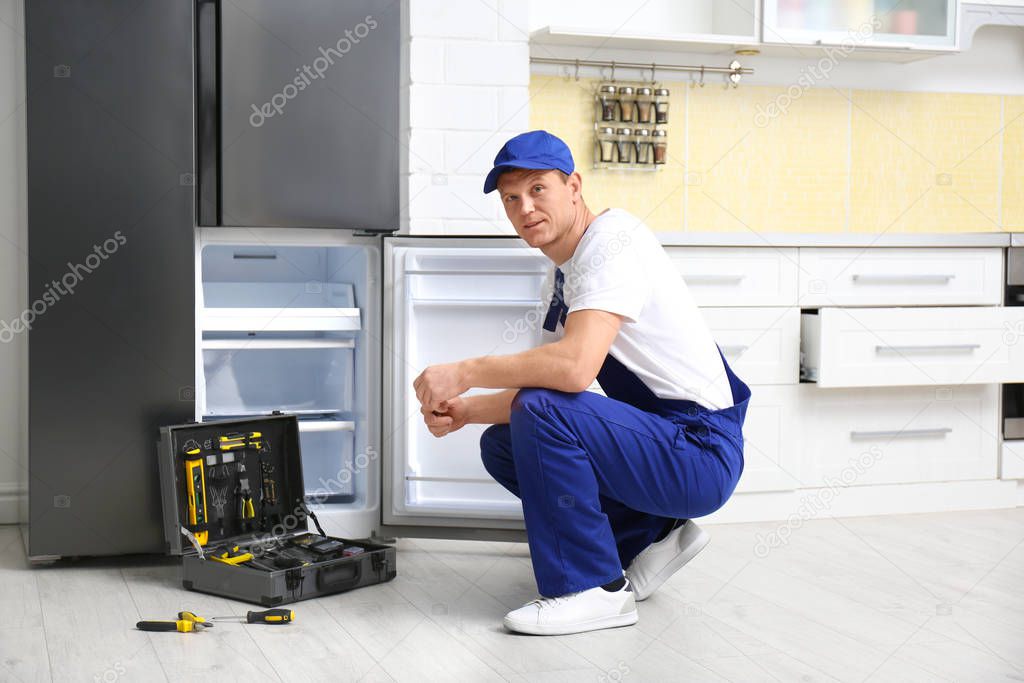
(751, 170)
(777, 159)
(924, 162)
(1013, 164)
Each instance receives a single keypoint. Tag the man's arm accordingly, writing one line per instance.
(490, 409)
(570, 364)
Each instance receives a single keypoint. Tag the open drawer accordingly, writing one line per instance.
(912, 346)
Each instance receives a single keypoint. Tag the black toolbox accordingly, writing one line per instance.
(234, 508)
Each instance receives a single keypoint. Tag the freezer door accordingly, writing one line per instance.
(298, 113)
(450, 298)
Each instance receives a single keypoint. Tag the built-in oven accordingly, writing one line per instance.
(1013, 394)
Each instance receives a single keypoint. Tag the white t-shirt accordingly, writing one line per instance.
(620, 267)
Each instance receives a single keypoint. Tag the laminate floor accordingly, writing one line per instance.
(934, 597)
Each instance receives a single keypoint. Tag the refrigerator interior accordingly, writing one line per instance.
(293, 327)
(449, 303)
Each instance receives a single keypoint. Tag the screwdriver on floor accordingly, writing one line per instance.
(270, 616)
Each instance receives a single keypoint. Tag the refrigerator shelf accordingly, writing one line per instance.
(509, 303)
(326, 426)
(271, 344)
(297, 293)
(280, 319)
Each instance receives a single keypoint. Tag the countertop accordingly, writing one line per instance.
(811, 239)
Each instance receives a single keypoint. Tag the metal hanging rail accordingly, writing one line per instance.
(734, 71)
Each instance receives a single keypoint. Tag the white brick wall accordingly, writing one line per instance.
(469, 72)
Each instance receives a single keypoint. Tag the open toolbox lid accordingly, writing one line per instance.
(206, 458)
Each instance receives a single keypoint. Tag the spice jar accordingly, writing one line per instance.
(606, 145)
(660, 141)
(624, 145)
(627, 104)
(644, 105)
(661, 105)
(642, 142)
(606, 96)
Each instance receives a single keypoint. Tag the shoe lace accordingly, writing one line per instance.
(545, 603)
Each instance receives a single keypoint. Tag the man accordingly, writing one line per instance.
(606, 482)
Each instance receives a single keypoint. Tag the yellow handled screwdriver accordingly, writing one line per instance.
(270, 616)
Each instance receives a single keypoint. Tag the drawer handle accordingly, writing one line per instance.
(928, 348)
(713, 279)
(923, 279)
(253, 257)
(902, 433)
(736, 349)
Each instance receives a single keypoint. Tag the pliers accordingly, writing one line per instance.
(187, 622)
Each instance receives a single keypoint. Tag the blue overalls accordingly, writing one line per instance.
(600, 476)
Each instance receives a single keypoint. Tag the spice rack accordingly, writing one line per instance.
(628, 125)
(645, 146)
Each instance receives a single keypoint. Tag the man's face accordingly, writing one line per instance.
(540, 204)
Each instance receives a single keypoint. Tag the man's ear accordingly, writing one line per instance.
(576, 185)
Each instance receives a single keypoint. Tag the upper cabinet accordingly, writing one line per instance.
(883, 30)
(639, 24)
(929, 24)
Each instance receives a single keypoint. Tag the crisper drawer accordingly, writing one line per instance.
(893, 435)
(329, 469)
(761, 344)
(259, 375)
(900, 277)
(856, 347)
(771, 439)
(727, 276)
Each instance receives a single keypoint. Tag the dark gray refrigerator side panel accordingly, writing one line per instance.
(111, 266)
(309, 113)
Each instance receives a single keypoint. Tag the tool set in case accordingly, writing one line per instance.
(235, 509)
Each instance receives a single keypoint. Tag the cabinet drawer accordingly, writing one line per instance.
(900, 277)
(855, 347)
(738, 277)
(893, 435)
(1013, 460)
(761, 344)
(771, 440)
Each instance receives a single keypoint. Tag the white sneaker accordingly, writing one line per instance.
(660, 560)
(587, 610)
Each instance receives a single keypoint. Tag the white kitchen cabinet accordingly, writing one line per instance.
(860, 347)
(771, 440)
(894, 24)
(898, 435)
(762, 345)
(1012, 461)
(722, 276)
(644, 24)
(900, 277)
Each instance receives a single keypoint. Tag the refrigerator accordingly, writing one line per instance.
(254, 264)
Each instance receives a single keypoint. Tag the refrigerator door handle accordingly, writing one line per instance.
(208, 111)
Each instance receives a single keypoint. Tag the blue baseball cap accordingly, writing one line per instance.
(537, 149)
